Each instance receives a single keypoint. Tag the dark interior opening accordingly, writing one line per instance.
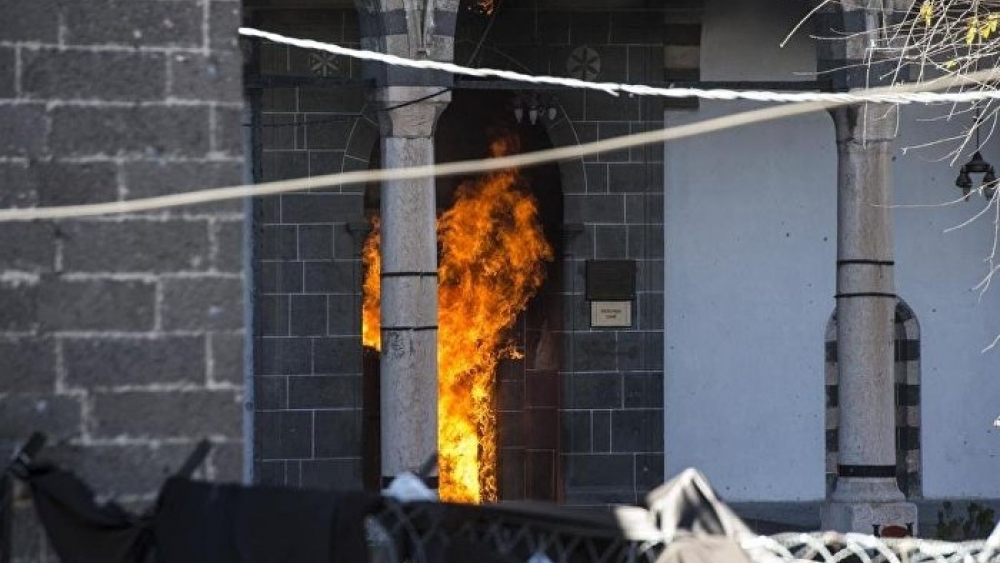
(527, 389)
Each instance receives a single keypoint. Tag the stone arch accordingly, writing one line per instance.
(362, 146)
(906, 375)
(572, 173)
(527, 388)
(361, 142)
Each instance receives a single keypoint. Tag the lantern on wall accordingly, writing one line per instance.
(977, 165)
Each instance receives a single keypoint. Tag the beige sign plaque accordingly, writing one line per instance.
(611, 313)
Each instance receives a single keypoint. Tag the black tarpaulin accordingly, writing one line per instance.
(199, 522)
(192, 522)
(79, 529)
(6, 517)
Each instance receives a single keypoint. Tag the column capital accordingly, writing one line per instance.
(410, 120)
(858, 49)
(865, 123)
(416, 29)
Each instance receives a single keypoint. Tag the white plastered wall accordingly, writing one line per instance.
(750, 228)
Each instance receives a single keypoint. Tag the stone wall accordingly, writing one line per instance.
(307, 331)
(307, 328)
(611, 399)
(121, 337)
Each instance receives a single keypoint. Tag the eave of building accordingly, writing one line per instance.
(553, 5)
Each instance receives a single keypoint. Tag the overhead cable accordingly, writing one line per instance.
(453, 168)
(895, 94)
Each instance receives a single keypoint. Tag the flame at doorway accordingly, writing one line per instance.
(371, 290)
(492, 262)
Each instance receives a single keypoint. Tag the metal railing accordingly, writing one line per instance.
(433, 533)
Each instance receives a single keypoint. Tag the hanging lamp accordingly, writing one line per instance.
(977, 165)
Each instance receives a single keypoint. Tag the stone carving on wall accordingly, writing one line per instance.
(583, 63)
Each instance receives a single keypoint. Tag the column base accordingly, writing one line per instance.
(866, 489)
(873, 518)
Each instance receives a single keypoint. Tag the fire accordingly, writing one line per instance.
(484, 7)
(487, 6)
(371, 290)
(492, 254)
(492, 262)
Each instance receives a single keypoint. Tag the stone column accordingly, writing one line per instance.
(866, 497)
(409, 312)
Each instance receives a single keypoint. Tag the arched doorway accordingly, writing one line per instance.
(526, 385)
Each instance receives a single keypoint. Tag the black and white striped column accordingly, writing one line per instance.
(866, 302)
(866, 497)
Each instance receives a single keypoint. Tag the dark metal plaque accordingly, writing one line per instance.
(611, 280)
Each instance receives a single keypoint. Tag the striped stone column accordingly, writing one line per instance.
(865, 497)
(866, 302)
(409, 285)
(409, 104)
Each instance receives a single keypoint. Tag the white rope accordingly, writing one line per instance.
(410, 173)
(897, 95)
(452, 168)
(832, 547)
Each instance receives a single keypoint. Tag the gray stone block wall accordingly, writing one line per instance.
(307, 332)
(611, 402)
(121, 337)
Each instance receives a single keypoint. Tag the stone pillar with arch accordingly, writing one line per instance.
(866, 497)
(409, 285)
(409, 103)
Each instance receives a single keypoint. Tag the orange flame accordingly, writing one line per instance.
(492, 255)
(487, 6)
(371, 335)
(483, 7)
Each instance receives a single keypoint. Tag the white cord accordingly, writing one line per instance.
(455, 168)
(446, 169)
(891, 95)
